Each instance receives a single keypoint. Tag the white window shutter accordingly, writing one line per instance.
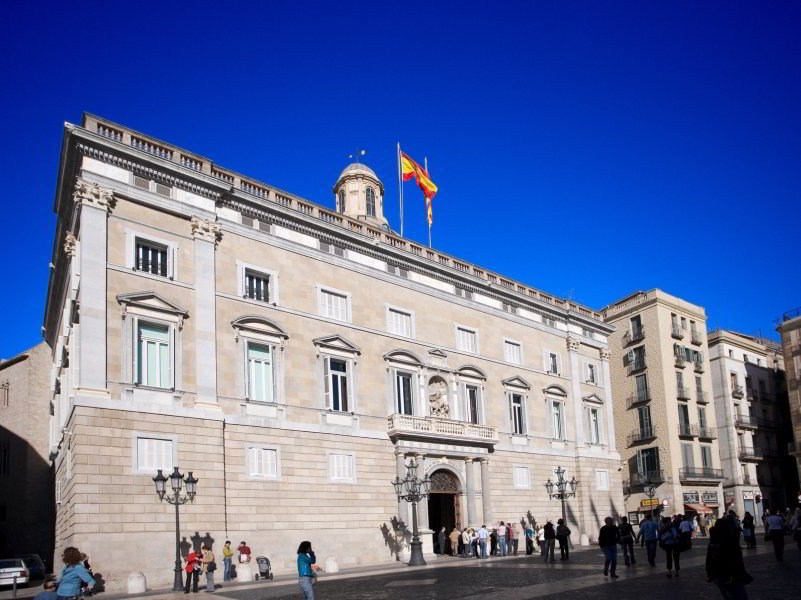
(350, 378)
(559, 363)
(546, 361)
(172, 357)
(327, 382)
(135, 346)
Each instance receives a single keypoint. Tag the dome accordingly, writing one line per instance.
(357, 169)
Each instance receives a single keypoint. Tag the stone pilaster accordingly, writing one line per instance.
(403, 506)
(206, 234)
(605, 355)
(486, 493)
(422, 506)
(471, 492)
(94, 204)
(575, 389)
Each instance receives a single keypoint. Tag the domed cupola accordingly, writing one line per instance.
(359, 194)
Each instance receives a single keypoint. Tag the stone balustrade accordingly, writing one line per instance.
(437, 427)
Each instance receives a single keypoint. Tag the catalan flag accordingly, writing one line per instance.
(411, 170)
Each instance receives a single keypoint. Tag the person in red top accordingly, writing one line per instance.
(244, 552)
(191, 571)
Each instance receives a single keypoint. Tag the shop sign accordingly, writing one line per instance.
(710, 497)
(650, 502)
(666, 502)
(748, 495)
(691, 498)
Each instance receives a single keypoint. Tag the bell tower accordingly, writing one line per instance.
(359, 194)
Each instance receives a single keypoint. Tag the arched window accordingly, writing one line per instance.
(370, 202)
(341, 207)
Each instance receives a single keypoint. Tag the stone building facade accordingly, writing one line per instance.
(26, 476)
(666, 429)
(295, 358)
(753, 418)
(790, 331)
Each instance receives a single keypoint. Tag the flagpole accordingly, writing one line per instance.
(400, 190)
(425, 161)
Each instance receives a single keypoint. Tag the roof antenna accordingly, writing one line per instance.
(357, 154)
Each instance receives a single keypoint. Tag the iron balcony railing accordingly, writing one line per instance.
(682, 393)
(744, 421)
(641, 435)
(687, 430)
(635, 335)
(638, 364)
(695, 338)
(766, 423)
(751, 395)
(676, 332)
(736, 391)
(748, 453)
(706, 433)
(700, 474)
(700, 397)
(656, 476)
(637, 398)
(698, 367)
(680, 362)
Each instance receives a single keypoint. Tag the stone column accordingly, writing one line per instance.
(422, 506)
(403, 506)
(486, 495)
(471, 492)
(610, 410)
(206, 234)
(95, 203)
(575, 389)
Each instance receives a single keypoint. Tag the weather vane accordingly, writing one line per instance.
(357, 154)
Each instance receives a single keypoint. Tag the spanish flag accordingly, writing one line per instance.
(411, 170)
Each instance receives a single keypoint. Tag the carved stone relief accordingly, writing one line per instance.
(438, 404)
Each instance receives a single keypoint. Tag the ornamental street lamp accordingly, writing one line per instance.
(176, 480)
(413, 489)
(561, 492)
(650, 491)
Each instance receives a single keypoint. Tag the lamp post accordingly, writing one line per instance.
(650, 491)
(413, 489)
(561, 492)
(176, 480)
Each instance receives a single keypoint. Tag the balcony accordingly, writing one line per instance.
(744, 422)
(698, 366)
(434, 428)
(794, 448)
(640, 435)
(696, 474)
(688, 431)
(766, 423)
(706, 433)
(633, 336)
(683, 393)
(749, 454)
(737, 391)
(637, 364)
(700, 397)
(657, 476)
(638, 398)
(751, 395)
(676, 332)
(695, 338)
(680, 362)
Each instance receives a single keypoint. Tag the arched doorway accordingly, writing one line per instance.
(443, 506)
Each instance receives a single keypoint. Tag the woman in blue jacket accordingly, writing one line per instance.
(306, 574)
(73, 575)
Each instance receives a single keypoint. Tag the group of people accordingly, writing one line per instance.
(75, 579)
(203, 562)
(503, 539)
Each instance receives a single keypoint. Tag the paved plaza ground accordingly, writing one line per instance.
(524, 577)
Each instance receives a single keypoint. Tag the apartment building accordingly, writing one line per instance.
(790, 330)
(295, 359)
(753, 419)
(666, 430)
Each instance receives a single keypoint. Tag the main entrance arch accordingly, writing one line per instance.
(443, 506)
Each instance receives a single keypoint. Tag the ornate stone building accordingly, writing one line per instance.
(790, 331)
(294, 358)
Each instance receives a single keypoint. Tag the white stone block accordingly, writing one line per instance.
(137, 583)
(584, 539)
(331, 565)
(245, 572)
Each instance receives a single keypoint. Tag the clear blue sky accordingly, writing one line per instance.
(591, 148)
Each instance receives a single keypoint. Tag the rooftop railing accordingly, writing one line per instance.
(700, 474)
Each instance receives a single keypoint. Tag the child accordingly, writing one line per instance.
(49, 590)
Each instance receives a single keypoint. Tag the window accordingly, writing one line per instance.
(644, 417)
(334, 305)
(594, 426)
(400, 322)
(679, 381)
(556, 419)
(511, 352)
(151, 258)
(733, 379)
(261, 373)
(370, 202)
(731, 353)
(641, 388)
(687, 456)
(701, 416)
(257, 286)
(341, 467)
(153, 454)
(517, 412)
(648, 463)
(591, 375)
(550, 321)
(636, 327)
(684, 418)
(467, 339)
(5, 459)
(153, 355)
(404, 399)
(553, 362)
(684, 324)
(521, 479)
(4, 393)
(263, 462)
(602, 480)
(472, 402)
(759, 362)
(699, 388)
(336, 384)
(341, 202)
(706, 457)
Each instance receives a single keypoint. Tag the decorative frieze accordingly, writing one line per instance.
(91, 194)
(70, 244)
(573, 344)
(209, 231)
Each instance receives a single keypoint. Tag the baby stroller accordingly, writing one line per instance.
(264, 567)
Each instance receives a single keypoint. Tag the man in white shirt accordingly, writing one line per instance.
(686, 526)
(775, 526)
(483, 536)
(501, 531)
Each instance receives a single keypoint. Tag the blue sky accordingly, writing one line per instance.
(586, 148)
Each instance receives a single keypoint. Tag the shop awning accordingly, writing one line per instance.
(699, 508)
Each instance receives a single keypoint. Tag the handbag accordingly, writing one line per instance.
(211, 567)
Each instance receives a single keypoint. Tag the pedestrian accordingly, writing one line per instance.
(493, 541)
(483, 534)
(227, 555)
(209, 566)
(465, 542)
(529, 533)
(649, 534)
(541, 539)
(48, 590)
(474, 542)
(192, 569)
(501, 533)
(749, 532)
(306, 575)
(513, 537)
(441, 541)
(244, 552)
(455, 537)
(627, 541)
(73, 575)
(563, 534)
(775, 533)
(669, 542)
(724, 561)
(550, 540)
(795, 526)
(608, 538)
(685, 533)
